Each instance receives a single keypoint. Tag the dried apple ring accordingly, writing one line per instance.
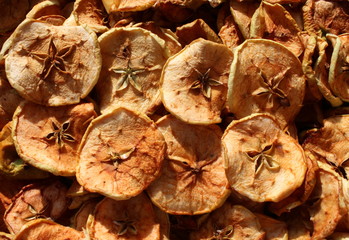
(133, 59)
(36, 201)
(52, 65)
(126, 219)
(47, 229)
(193, 180)
(194, 82)
(264, 163)
(266, 77)
(49, 139)
(120, 155)
(230, 222)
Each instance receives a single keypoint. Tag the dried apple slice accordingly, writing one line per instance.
(131, 71)
(49, 139)
(264, 163)
(79, 195)
(265, 77)
(230, 33)
(127, 5)
(274, 229)
(120, 155)
(339, 69)
(274, 22)
(12, 13)
(52, 65)
(5, 236)
(230, 222)
(47, 229)
(194, 82)
(126, 219)
(44, 8)
(193, 180)
(36, 201)
(80, 219)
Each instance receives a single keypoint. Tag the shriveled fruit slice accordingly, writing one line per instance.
(274, 229)
(230, 222)
(52, 65)
(91, 13)
(230, 33)
(194, 30)
(36, 201)
(274, 22)
(126, 219)
(132, 63)
(265, 77)
(194, 82)
(10, 163)
(47, 229)
(12, 13)
(49, 139)
(44, 8)
(120, 155)
(56, 20)
(339, 69)
(81, 217)
(326, 16)
(79, 195)
(193, 180)
(5, 236)
(127, 5)
(264, 163)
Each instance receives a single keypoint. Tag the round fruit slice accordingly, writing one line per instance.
(194, 82)
(266, 77)
(193, 180)
(47, 229)
(52, 65)
(45, 8)
(49, 139)
(230, 222)
(120, 155)
(36, 201)
(264, 163)
(132, 219)
(132, 63)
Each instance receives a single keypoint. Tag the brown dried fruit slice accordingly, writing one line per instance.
(264, 163)
(80, 219)
(193, 180)
(230, 222)
(131, 71)
(52, 65)
(49, 139)
(5, 236)
(194, 30)
(194, 82)
(91, 13)
(274, 22)
(79, 195)
(10, 163)
(121, 154)
(47, 229)
(36, 201)
(230, 33)
(126, 219)
(44, 8)
(127, 5)
(339, 69)
(276, 82)
(274, 229)
(12, 13)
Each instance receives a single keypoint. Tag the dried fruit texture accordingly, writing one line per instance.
(326, 16)
(230, 222)
(326, 206)
(47, 229)
(283, 1)
(91, 13)
(131, 71)
(274, 229)
(121, 154)
(230, 33)
(264, 163)
(242, 13)
(5, 236)
(126, 219)
(339, 69)
(12, 13)
(274, 22)
(194, 82)
(193, 180)
(44, 8)
(79, 195)
(36, 201)
(56, 20)
(262, 80)
(52, 65)
(49, 139)
(10, 163)
(194, 30)
(81, 217)
(9, 99)
(127, 5)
